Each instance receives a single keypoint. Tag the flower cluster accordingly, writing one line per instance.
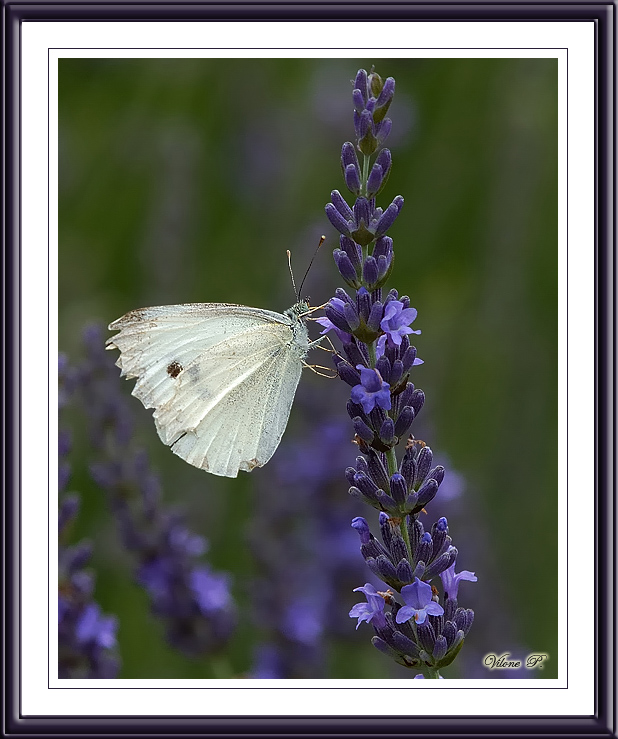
(194, 601)
(86, 638)
(376, 361)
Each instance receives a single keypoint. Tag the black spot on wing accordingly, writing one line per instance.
(174, 369)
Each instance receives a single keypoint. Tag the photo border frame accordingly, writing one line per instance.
(603, 721)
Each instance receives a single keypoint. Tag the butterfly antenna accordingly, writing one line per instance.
(315, 253)
(292, 275)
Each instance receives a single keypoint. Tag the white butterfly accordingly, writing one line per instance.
(220, 377)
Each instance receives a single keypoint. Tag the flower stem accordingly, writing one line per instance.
(371, 348)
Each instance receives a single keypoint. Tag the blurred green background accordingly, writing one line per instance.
(186, 180)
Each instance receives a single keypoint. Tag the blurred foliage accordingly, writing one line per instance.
(187, 179)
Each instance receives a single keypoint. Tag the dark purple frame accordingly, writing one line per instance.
(603, 722)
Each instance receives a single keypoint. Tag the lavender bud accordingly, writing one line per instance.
(383, 129)
(362, 212)
(404, 571)
(404, 421)
(384, 160)
(450, 607)
(353, 251)
(437, 473)
(405, 645)
(384, 100)
(397, 372)
(408, 358)
(336, 219)
(423, 464)
(424, 549)
(389, 216)
(426, 636)
(351, 316)
(370, 272)
(443, 562)
(359, 103)
(348, 374)
(353, 353)
(387, 503)
(383, 247)
(361, 429)
(385, 569)
(417, 399)
(341, 294)
(362, 527)
(341, 205)
(427, 492)
(385, 529)
(408, 467)
(405, 397)
(363, 303)
(352, 179)
(345, 267)
(365, 484)
(375, 180)
(450, 633)
(360, 83)
(349, 476)
(348, 155)
(398, 488)
(355, 410)
(398, 547)
(439, 532)
(440, 648)
(375, 316)
(336, 316)
(378, 472)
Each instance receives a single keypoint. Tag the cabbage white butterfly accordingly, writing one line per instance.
(220, 377)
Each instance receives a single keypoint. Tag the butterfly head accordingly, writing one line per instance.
(297, 310)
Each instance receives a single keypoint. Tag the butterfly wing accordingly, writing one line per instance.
(221, 378)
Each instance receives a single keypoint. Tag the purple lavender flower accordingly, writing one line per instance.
(96, 629)
(450, 580)
(194, 602)
(86, 638)
(372, 610)
(419, 603)
(372, 392)
(397, 320)
(377, 360)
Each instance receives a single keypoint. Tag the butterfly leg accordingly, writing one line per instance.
(316, 367)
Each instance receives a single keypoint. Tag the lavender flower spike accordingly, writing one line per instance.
(427, 630)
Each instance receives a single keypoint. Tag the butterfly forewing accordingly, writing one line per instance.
(221, 378)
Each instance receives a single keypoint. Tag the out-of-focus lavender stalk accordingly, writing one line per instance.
(194, 601)
(86, 638)
(428, 630)
(301, 544)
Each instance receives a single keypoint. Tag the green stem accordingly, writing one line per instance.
(365, 174)
(371, 348)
